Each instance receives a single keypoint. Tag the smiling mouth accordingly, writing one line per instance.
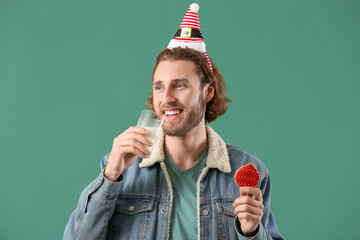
(172, 113)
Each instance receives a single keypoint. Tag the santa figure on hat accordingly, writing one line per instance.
(189, 35)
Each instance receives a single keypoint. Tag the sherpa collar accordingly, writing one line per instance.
(217, 152)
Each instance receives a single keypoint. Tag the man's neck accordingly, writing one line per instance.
(185, 151)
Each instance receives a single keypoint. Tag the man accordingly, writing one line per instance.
(186, 189)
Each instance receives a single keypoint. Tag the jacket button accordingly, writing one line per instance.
(205, 212)
(131, 208)
(163, 210)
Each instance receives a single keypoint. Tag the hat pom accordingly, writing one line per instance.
(194, 7)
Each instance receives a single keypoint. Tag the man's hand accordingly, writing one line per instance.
(125, 148)
(249, 210)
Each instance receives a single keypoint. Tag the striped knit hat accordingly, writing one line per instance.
(189, 34)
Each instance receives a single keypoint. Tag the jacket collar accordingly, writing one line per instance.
(217, 152)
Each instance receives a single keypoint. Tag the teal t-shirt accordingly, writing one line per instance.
(184, 224)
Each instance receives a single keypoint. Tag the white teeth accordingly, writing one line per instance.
(172, 113)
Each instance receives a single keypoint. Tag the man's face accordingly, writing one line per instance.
(177, 95)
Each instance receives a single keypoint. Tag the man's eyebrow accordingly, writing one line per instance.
(157, 82)
(176, 80)
(180, 80)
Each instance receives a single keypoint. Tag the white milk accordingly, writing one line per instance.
(152, 135)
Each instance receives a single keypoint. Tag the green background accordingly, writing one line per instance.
(75, 74)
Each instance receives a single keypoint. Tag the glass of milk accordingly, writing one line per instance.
(149, 121)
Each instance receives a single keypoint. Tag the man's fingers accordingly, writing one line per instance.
(134, 150)
(138, 137)
(249, 209)
(256, 192)
(137, 133)
(133, 142)
(249, 217)
(247, 200)
(138, 130)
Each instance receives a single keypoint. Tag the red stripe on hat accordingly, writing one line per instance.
(189, 21)
(191, 17)
(190, 13)
(209, 62)
(189, 24)
(195, 19)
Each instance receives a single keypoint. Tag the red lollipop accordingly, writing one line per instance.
(247, 176)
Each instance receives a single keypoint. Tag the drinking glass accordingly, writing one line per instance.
(149, 121)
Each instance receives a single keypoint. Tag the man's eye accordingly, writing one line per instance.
(179, 85)
(157, 88)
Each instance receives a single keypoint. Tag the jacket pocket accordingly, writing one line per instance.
(131, 206)
(132, 218)
(226, 208)
(226, 219)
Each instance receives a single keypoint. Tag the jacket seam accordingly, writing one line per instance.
(95, 186)
(168, 179)
(203, 173)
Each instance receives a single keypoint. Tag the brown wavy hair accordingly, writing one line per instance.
(219, 103)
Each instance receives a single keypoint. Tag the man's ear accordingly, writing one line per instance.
(209, 93)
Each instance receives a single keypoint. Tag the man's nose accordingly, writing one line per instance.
(168, 96)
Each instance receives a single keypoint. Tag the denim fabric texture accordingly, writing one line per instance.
(139, 205)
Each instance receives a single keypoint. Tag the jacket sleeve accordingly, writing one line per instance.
(95, 207)
(267, 228)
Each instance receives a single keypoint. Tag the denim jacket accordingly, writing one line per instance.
(139, 205)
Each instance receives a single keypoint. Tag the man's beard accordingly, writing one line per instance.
(192, 119)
